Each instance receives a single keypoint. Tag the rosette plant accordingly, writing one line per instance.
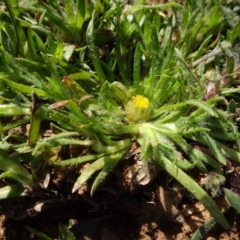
(137, 76)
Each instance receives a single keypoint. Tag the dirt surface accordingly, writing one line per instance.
(137, 201)
(133, 204)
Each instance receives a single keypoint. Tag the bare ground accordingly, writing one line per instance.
(122, 209)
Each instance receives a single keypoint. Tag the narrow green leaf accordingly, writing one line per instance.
(167, 36)
(9, 164)
(193, 154)
(201, 104)
(19, 41)
(64, 233)
(18, 87)
(70, 9)
(181, 57)
(194, 189)
(168, 60)
(229, 15)
(13, 110)
(68, 122)
(41, 29)
(38, 233)
(78, 160)
(230, 64)
(31, 45)
(120, 62)
(162, 7)
(89, 171)
(12, 191)
(137, 67)
(113, 147)
(35, 120)
(233, 198)
(225, 150)
(167, 86)
(202, 48)
(80, 13)
(205, 228)
(14, 175)
(213, 147)
(93, 51)
(37, 42)
(31, 65)
(57, 19)
(155, 66)
(207, 159)
(235, 32)
(106, 170)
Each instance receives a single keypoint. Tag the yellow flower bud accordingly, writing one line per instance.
(138, 108)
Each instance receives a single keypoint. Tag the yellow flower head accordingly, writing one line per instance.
(137, 109)
(140, 102)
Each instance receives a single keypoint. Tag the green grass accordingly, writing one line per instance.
(81, 66)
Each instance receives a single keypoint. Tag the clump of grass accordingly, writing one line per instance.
(109, 75)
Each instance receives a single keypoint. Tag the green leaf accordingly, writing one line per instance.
(93, 51)
(23, 88)
(162, 7)
(64, 233)
(215, 150)
(38, 233)
(137, 67)
(233, 198)
(80, 13)
(19, 41)
(106, 170)
(225, 150)
(203, 105)
(235, 32)
(57, 19)
(205, 228)
(89, 171)
(229, 15)
(194, 189)
(35, 120)
(12, 191)
(194, 155)
(108, 161)
(13, 175)
(155, 66)
(31, 65)
(13, 110)
(78, 160)
(11, 165)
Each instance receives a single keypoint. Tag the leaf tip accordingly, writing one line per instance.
(76, 186)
